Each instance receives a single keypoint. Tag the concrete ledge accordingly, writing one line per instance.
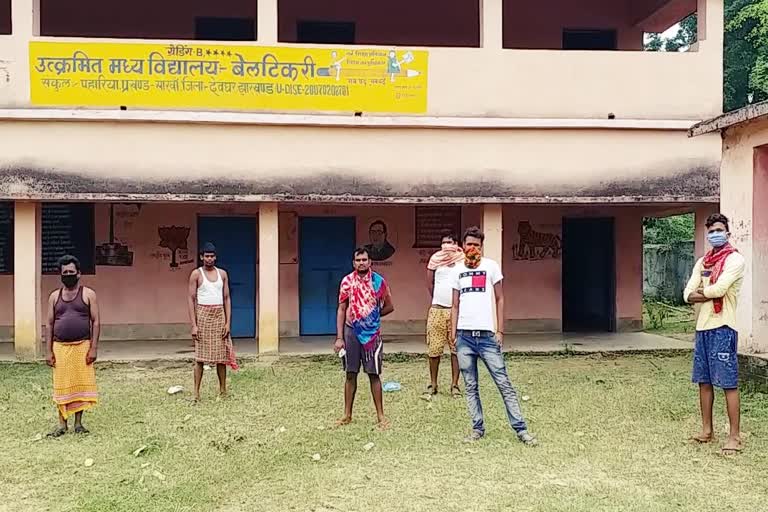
(629, 325)
(290, 329)
(753, 371)
(123, 332)
(341, 121)
(120, 332)
(562, 344)
(533, 325)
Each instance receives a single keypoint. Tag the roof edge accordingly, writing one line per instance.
(730, 119)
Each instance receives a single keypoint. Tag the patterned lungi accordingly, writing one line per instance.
(438, 331)
(211, 345)
(74, 382)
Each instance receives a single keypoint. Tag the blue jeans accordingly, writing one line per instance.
(483, 345)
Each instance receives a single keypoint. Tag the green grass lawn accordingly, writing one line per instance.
(674, 322)
(612, 431)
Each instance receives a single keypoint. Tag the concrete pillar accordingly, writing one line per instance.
(492, 226)
(26, 280)
(700, 217)
(491, 24)
(738, 203)
(269, 271)
(709, 20)
(710, 38)
(25, 18)
(266, 22)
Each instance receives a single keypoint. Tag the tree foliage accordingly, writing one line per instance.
(681, 41)
(746, 52)
(666, 230)
(745, 72)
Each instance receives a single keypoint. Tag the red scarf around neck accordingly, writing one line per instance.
(714, 261)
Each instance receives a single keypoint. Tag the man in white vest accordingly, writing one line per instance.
(210, 313)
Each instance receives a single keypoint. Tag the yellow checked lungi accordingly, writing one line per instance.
(74, 381)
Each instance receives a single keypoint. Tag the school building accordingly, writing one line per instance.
(290, 131)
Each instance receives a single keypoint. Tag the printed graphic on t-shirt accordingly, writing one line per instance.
(477, 283)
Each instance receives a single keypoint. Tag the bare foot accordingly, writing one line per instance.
(383, 424)
(703, 437)
(346, 420)
(732, 446)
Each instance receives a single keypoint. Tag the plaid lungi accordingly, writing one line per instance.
(211, 346)
(74, 382)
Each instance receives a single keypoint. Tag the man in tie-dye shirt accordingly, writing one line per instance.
(364, 298)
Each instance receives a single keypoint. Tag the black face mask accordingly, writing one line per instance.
(69, 280)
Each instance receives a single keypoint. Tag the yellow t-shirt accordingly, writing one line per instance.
(727, 287)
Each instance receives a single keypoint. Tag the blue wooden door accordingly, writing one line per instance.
(235, 241)
(325, 257)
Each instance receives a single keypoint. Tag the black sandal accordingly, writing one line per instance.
(81, 430)
(57, 433)
(456, 392)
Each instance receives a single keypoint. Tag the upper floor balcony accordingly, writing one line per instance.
(562, 59)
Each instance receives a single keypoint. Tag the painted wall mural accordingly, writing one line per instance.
(115, 252)
(174, 238)
(536, 244)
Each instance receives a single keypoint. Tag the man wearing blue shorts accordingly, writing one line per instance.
(714, 285)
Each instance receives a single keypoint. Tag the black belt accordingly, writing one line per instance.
(476, 334)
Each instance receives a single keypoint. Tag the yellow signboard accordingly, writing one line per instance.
(228, 77)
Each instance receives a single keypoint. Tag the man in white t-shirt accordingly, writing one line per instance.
(440, 278)
(476, 281)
